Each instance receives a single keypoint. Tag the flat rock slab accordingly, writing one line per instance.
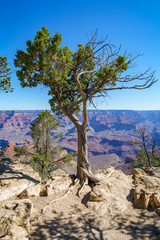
(15, 177)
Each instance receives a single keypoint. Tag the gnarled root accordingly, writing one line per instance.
(87, 174)
(82, 187)
(90, 175)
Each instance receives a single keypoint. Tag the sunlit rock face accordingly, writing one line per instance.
(112, 195)
(14, 217)
(147, 188)
(15, 177)
(57, 181)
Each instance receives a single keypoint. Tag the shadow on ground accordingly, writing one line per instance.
(6, 166)
(77, 225)
(73, 227)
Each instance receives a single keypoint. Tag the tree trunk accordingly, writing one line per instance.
(146, 151)
(83, 167)
(82, 160)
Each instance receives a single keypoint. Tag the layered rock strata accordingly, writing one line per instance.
(147, 188)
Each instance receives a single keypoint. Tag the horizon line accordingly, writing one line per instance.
(81, 110)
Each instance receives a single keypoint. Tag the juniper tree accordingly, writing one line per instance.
(47, 155)
(74, 78)
(5, 79)
(45, 152)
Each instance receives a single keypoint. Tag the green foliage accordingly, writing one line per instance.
(46, 62)
(5, 148)
(142, 161)
(46, 157)
(41, 132)
(20, 151)
(146, 152)
(5, 83)
(111, 72)
(74, 78)
(42, 165)
(134, 141)
(155, 161)
(1, 152)
(69, 157)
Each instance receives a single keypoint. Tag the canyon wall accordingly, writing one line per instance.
(108, 139)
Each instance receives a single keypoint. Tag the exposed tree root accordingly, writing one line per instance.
(81, 187)
(87, 174)
(90, 175)
(76, 182)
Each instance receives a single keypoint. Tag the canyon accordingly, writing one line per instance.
(109, 138)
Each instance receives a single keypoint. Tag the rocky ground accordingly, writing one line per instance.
(104, 212)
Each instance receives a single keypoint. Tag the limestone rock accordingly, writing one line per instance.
(111, 195)
(149, 182)
(103, 174)
(15, 177)
(157, 198)
(33, 191)
(154, 171)
(136, 173)
(57, 174)
(18, 233)
(99, 192)
(147, 187)
(141, 197)
(14, 216)
(158, 210)
(57, 181)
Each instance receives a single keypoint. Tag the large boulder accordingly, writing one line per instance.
(32, 191)
(15, 177)
(141, 196)
(156, 198)
(147, 187)
(57, 181)
(14, 219)
(112, 195)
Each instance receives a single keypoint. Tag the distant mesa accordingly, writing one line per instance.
(110, 131)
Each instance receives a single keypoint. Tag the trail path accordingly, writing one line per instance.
(70, 219)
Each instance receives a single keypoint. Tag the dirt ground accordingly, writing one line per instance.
(70, 219)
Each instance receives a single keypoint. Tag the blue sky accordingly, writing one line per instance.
(133, 24)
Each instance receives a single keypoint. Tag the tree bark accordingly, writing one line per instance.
(83, 166)
(82, 160)
(147, 154)
(142, 132)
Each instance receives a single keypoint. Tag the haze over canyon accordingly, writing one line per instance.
(108, 139)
